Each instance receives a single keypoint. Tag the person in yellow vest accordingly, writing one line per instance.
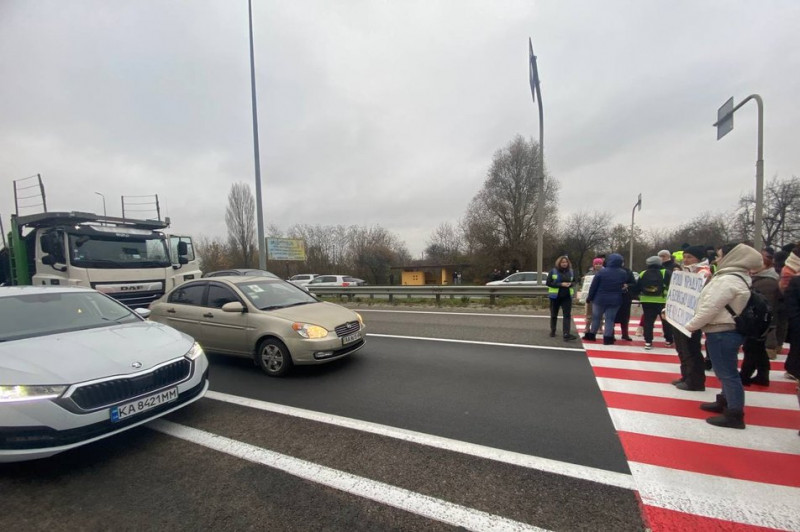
(560, 282)
(652, 287)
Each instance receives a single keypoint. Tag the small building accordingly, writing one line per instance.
(421, 275)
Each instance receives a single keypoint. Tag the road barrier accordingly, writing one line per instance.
(432, 291)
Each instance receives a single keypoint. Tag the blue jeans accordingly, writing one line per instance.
(600, 311)
(723, 349)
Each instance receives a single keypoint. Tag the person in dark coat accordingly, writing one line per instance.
(756, 359)
(605, 295)
(624, 312)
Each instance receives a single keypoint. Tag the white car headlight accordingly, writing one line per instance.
(195, 352)
(360, 320)
(10, 394)
(306, 330)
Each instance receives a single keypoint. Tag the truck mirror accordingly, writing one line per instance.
(183, 249)
(48, 260)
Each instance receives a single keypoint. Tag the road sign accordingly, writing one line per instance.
(725, 119)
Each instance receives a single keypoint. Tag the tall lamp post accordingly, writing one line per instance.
(104, 202)
(724, 125)
(533, 74)
(633, 213)
(262, 250)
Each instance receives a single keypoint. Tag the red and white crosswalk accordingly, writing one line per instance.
(691, 475)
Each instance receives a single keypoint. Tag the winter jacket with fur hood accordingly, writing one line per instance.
(729, 286)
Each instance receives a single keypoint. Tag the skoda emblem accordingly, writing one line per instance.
(136, 365)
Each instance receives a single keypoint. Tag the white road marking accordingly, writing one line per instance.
(538, 316)
(601, 476)
(660, 367)
(742, 501)
(496, 344)
(379, 492)
(667, 390)
(757, 438)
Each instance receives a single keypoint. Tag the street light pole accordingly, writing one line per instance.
(104, 203)
(262, 251)
(633, 213)
(724, 125)
(533, 73)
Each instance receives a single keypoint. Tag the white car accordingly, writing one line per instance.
(302, 279)
(334, 280)
(521, 279)
(77, 366)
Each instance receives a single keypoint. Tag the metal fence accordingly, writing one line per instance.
(431, 291)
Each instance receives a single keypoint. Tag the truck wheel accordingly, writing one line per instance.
(273, 357)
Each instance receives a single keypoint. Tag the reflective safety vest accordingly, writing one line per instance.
(678, 256)
(654, 299)
(552, 291)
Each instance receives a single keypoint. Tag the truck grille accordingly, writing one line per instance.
(106, 393)
(137, 299)
(347, 328)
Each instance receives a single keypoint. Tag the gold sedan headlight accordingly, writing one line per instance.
(360, 320)
(306, 330)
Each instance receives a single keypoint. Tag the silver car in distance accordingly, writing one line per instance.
(77, 366)
(271, 321)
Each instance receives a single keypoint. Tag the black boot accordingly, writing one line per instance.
(730, 418)
(608, 340)
(553, 322)
(708, 363)
(717, 406)
(589, 336)
(568, 337)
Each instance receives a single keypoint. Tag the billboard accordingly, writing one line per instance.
(286, 249)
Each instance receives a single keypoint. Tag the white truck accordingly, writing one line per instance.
(131, 260)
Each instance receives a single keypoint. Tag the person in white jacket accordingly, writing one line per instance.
(729, 286)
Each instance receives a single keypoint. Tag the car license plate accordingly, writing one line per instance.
(350, 338)
(120, 412)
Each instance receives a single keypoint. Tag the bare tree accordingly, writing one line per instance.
(213, 254)
(445, 244)
(781, 219)
(240, 220)
(501, 219)
(584, 235)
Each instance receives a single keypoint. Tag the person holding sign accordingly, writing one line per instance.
(690, 353)
(729, 286)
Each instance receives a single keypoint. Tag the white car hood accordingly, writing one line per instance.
(73, 357)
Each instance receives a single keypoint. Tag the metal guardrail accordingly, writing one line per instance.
(435, 291)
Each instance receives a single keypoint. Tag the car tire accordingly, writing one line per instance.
(273, 357)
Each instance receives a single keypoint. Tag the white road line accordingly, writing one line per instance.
(661, 367)
(496, 344)
(379, 492)
(538, 316)
(666, 390)
(600, 476)
(741, 501)
(697, 430)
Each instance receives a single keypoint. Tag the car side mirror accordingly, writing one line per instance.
(233, 306)
(143, 312)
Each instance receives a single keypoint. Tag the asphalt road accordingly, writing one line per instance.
(449, 430)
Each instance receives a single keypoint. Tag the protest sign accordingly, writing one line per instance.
(584, 291)
(684, 292)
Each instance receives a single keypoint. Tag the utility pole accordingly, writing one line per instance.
(633, 213)
(724, 125)
(262, 250)
(533, 74)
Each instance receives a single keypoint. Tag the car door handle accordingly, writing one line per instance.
(171, 310)
(208, 315)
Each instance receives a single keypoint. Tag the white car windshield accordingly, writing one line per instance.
(271, 295)
(28, 315)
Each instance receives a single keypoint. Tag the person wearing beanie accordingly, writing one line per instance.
(666, 259)
(689, 348)
(652, 288)
(790, 268)
(605, 295)
(729, 286)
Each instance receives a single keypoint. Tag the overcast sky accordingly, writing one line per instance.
(389, 112)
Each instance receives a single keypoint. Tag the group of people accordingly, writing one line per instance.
(730, 272)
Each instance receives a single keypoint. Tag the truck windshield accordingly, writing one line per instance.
(118, 251)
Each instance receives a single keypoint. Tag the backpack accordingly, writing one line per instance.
(651, 283)
(754, 320)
